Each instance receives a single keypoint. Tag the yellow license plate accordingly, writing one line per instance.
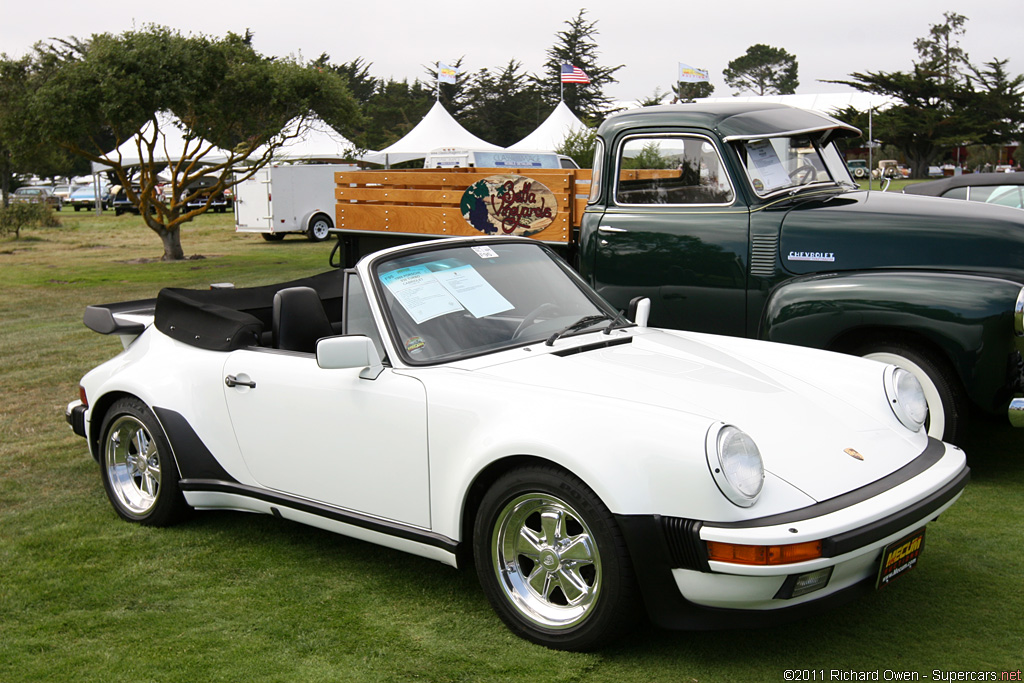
(900, 557)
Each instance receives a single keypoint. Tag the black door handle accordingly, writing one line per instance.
(232, 381)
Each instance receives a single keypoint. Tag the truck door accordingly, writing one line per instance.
(673, 232)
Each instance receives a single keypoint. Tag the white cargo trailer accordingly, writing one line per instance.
(288, 199)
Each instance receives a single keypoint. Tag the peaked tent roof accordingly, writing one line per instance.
(550, 135)
(437, 129)
(170, 145)
(319, 142)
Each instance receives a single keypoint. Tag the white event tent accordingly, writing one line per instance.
(318, 142)
(550, 135)
(170, 146)
(437, 129)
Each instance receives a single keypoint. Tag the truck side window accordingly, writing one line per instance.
(678, 170)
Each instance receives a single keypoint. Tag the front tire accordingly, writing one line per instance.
(947, 409)
(139, 474)
(552, 562)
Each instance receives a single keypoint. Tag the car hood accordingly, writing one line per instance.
(800, 405)
(870, 230)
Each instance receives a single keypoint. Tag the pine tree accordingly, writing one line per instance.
(576, 46)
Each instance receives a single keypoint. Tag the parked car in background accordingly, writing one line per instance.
(1002, 189)
(84, 196)
(887, 168)
(451, 399)
(196, 195)
(37, 194)
(63, 191)
(858, 168)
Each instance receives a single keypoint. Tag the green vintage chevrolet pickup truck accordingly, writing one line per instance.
(742, 219)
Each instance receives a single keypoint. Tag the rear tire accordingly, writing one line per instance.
(139, 474)
(947, 405)
(552, 561)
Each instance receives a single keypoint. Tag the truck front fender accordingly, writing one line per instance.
(968, 320)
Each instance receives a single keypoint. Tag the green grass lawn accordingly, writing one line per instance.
(236, 597)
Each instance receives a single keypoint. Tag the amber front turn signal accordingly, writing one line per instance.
(763, 554)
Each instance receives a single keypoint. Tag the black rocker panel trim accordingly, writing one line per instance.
(326, 511)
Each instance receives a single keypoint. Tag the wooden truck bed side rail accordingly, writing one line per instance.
(427, 201)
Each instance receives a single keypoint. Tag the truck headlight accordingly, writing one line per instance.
(735, 464)
(906, 397)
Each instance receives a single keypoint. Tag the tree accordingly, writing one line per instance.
(505, 106)
(580, 146)
(454, 97)
(576, 46)
(688, 92)
(944, 101)
(940, 52)
(763, 70)
(22, 150)
(231, 102)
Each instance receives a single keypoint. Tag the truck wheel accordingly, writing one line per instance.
(139, 473)
(273, 236)
(319, 228)
(947, 410)
(552, 561)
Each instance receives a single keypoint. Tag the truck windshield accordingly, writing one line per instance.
(775, 165)
(462, 301)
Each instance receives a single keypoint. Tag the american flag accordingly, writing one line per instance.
(573, 74)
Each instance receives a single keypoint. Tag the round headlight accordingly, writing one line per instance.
(906, 397)
(735, 464)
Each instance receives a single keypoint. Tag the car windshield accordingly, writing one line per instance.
(782, 164)
(461, 301)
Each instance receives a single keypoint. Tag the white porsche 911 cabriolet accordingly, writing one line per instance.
(473, 401)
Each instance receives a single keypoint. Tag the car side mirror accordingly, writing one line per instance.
(639, 310)
(349, 351)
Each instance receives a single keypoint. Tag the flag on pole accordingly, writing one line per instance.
(688, 74)
(445, 73)
(573, 74)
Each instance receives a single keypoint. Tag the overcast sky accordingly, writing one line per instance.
(399, 37)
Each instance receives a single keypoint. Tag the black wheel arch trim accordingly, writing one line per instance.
(194, 459)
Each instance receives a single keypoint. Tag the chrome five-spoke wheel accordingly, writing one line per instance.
(547, 560)
(132, 460)
(552, 561)
(139, 473)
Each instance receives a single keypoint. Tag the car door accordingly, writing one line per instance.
(331, 436)
(674, 232)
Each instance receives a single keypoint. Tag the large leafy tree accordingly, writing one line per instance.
(944, 101)
(763, 70)
(232, 105)
(22, 150)
(576, 46)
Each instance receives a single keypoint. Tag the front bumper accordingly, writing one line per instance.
(683, 589)
(74, 414)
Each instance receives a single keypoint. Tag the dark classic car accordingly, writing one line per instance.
(743, 219)
(1003, 189)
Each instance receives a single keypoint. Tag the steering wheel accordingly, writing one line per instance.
(802, 174)
(528, 319)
